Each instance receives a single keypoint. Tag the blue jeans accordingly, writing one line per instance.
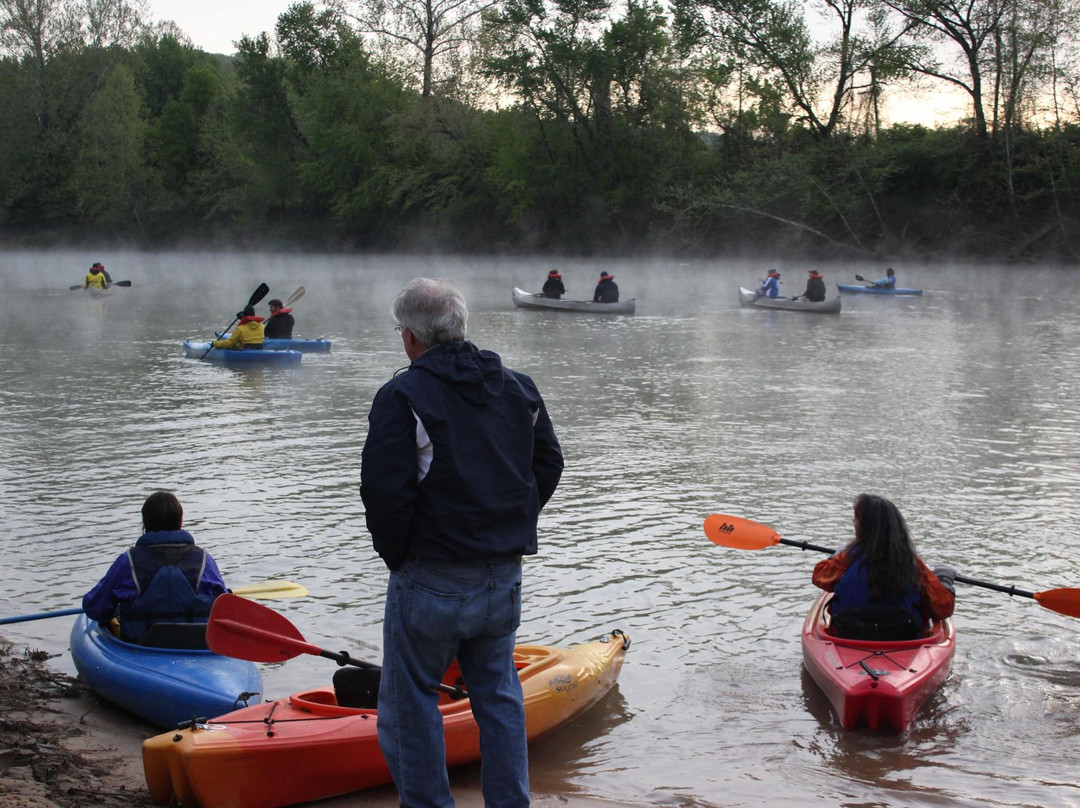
(436, 611)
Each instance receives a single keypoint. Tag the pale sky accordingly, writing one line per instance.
(214, 26)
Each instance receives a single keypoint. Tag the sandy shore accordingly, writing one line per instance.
(63, 747)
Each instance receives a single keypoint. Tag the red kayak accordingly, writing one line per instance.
(877, 684)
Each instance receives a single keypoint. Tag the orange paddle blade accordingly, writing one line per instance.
(1064, 601)
(739, 533)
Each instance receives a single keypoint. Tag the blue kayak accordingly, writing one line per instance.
(876, 290)
(163, 685)
(301, 345)
(233, 357)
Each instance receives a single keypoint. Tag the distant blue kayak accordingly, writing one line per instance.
(232, 357)
(875, 290)
(302, 345)
(163, 685)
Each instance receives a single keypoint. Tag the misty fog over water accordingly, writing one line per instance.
(962, 406)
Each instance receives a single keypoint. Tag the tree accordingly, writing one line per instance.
(434, 30)
(314, 40)
(33, 29)
(971, 25)
(108, 178)
(773, 38)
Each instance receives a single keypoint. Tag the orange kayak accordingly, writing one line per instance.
(307, 747)
(877, 684)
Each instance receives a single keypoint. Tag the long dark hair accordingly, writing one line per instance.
(884, 544)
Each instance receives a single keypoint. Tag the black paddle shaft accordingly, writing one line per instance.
(342, 658)
(256, 296)
(1008, 590)
(802, 545)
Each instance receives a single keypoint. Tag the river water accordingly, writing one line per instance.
(963, 406)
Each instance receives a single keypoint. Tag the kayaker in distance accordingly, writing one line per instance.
(607, 291)
(460, 457)
(888, 282)
(815, 288)
(770, 287)
(97, 277)
(553, 286)
(247, 335)
(164, 578)
(880, 585)
(281, 322)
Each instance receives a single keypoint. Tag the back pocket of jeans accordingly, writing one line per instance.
(433, 615)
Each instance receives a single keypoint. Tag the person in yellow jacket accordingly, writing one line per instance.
(247, 335)
(96, 278)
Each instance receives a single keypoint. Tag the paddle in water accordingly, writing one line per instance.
(266, 590)
(746, 534)
(256, 296)
(245, 630)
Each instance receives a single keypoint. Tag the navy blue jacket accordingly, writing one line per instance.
(163, 578)
(494, 459)
(607, 291)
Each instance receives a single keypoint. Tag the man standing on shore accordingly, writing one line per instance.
(459, 459)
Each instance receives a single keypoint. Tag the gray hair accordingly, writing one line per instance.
(433, 309)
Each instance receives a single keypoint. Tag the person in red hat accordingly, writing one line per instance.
(607, 291)
(770, 287)
(815, 288)
(281, 322)
(553, 286)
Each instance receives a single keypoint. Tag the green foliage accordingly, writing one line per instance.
(710, 124)
(108, 178)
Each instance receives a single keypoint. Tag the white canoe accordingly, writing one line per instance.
(528, 300)
(748, 298)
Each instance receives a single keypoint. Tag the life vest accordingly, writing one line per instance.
(853, 591)
(96, 278)
(167, 577)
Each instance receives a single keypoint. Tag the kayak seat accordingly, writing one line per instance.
(357, 687)
(182, 636)
(875, 623)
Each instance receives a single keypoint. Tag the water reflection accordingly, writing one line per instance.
(963, 408)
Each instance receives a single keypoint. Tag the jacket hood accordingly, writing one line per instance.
(166, 537)
(477, 376)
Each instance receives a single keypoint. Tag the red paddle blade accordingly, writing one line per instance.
(739, 533)
(244, 629)
(1064, 601)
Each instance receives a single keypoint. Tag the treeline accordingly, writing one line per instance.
(573, 126)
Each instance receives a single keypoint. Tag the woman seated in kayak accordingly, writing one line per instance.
(164, 578)
(888, 282)
(247, 335)
(881, 589)
(553, 286)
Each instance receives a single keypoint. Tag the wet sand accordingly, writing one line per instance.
(63, 747)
